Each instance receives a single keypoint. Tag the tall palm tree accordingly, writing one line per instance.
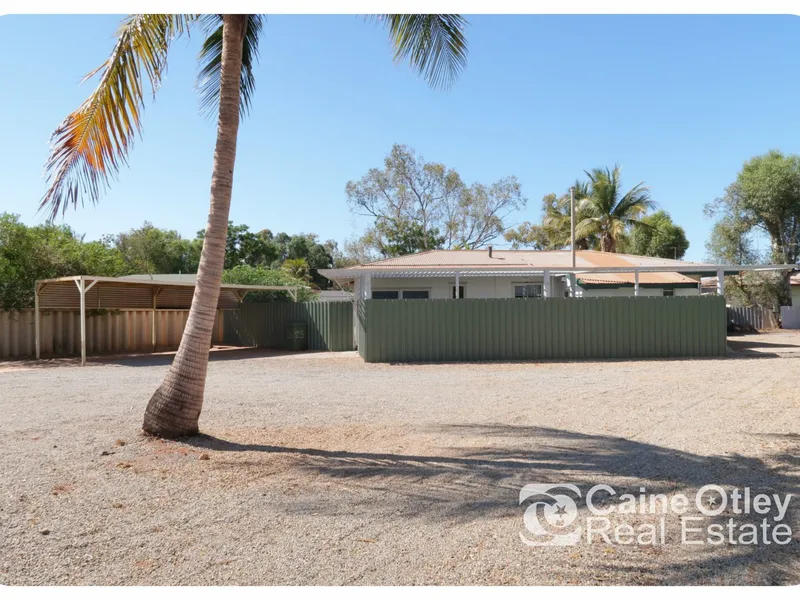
(92, 142)
(557, 219)
(607, 212)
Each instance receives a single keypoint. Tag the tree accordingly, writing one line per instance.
(248, 275)
(297, 268)
(149, 249)
(419, 202)
(529, 235)
(554, 232)
(764, 199)
(28, 254)
(393, 237)
(243, 247)
(659, 237)
(609, 212)
(731, 237)
(359, 250)
(92, 142)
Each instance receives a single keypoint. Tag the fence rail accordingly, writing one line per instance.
(558, 328)
(757, 317)
(330, 324)
(107, 332)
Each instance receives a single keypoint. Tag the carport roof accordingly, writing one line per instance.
(138, 291)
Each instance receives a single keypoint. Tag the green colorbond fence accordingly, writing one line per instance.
(556, 328)
(263, 324)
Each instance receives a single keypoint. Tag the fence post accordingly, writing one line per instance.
(36, 325)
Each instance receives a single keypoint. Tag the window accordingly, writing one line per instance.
(460, 291)
(385, 295)
(527, 290)
(668, 293)
(415, 294)
(401, 294)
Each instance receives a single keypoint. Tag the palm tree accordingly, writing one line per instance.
(297, 268)
(556, 221)
(92, 142)
(606, 212)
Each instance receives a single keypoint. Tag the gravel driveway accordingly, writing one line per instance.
(326, 470)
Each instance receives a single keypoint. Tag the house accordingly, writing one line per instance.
(794, 282)
(489, 273)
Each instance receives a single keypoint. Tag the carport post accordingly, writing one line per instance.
(82, 289)
(458, 291)
(36, 316)
(720, 282)
(82, 292)
(636, 283)
(156, 292)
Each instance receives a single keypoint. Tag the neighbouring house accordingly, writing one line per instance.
(794, 282)
(488, 273)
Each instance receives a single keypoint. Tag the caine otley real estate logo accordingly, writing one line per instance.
(712, 515)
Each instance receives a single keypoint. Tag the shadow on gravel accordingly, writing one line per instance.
(216, 355)
(480, 483)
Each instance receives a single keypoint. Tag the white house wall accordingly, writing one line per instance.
(629, 291)
(503, 287)
(441, 288)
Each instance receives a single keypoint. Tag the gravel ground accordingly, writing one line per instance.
(320, 469)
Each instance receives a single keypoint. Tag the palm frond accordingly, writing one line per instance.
(89, 146)
(210, 59)
(636, 202)
(434, 45)
(587, 227)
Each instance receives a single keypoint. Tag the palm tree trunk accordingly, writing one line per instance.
(174, 409)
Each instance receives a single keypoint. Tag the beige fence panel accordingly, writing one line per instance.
(757, 317)
(107, 332)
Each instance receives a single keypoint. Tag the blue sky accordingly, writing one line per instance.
(679, 101)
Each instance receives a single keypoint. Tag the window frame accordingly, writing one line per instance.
(372, 295)
(419, 291)
(400, 293)
(516, 284)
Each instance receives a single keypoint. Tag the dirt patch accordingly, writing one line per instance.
(332, 471)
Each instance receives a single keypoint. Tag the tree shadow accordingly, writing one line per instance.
(464, 484)
(744, 344)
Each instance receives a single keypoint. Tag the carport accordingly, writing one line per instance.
(143, 292)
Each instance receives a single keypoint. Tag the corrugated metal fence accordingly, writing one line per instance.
(757, 317)
(790, 317)
(330, 324)
(556, 328)
(107, 332)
